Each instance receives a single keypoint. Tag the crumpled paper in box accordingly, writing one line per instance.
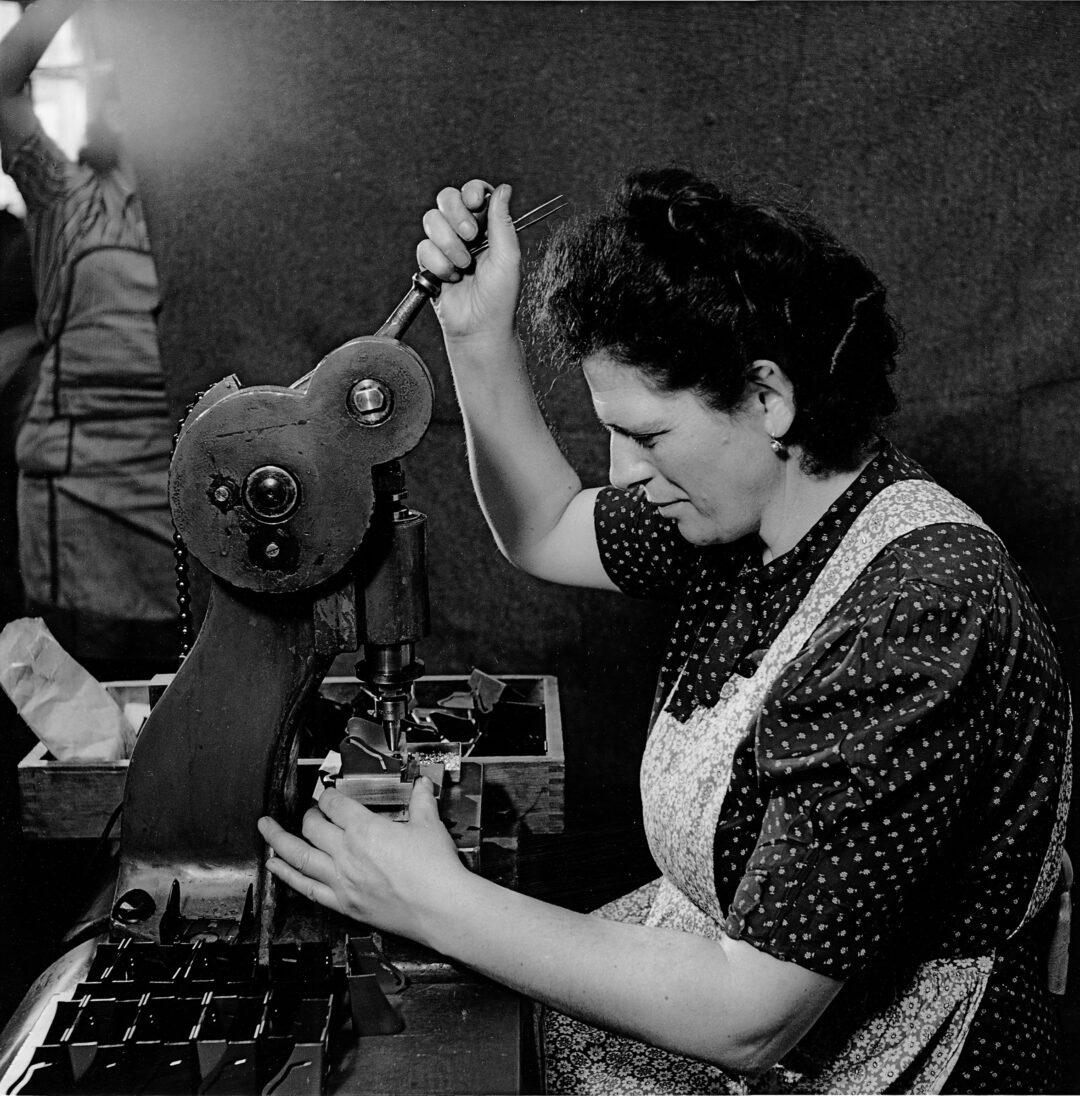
(67, 708)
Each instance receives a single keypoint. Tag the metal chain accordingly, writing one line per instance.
(180, 556)
(183, 595)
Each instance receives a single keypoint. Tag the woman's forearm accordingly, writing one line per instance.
(532, 499)
(722, 1001)
(22, 47)
(521, 478)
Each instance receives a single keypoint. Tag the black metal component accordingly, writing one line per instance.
(360, 755)
(372, 1013)
(307, 964)
(228, 927)
(394, 607)
(187, 1018)
(134, 906)
(295, 1035)
(366, 957)
(371, 979)
(225, 1043)
(273, 548)
(271, 493)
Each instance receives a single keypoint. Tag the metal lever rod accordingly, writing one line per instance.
(527, 220)
(426, 288)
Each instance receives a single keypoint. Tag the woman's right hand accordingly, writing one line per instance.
(478, 302)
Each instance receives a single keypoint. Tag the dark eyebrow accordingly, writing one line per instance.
(615, 428)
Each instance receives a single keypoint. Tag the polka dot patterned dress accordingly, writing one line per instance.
(896, 800)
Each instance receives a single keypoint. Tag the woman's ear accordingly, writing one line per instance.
(773, 396)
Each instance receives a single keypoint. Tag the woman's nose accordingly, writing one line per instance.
(628, 465)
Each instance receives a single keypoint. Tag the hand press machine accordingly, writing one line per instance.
(209, 979)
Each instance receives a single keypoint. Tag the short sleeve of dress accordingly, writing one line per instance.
(642, 552)
(875, 746)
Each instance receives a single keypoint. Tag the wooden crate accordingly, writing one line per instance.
(65, 800)
(75, 801)
(61, 799)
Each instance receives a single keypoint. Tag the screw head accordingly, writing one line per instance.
(272, 550)
(221, 494)
(371, 401)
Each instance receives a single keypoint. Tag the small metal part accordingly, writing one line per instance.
(426, 282)
(273, 548)
(133, 907)
(363, 750)
(365, 956)
(527, 220)
(177, 925)
(221, 494)
(371, 401)
(383, 792)
(372, 979)
(271, 493)
(392, 707)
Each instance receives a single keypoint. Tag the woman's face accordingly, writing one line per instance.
(712, 473)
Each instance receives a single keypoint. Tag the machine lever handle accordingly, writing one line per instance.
(426, 288)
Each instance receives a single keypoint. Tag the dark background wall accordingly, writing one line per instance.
(287, 151)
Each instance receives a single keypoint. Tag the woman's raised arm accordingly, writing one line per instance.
(534, 503)
(20, 51)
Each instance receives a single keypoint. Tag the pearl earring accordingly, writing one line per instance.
(779, 448)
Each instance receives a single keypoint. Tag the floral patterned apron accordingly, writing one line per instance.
(685, 771)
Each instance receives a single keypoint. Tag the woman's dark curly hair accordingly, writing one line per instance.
(691, 284)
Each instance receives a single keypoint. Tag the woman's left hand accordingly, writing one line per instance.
(390, 875)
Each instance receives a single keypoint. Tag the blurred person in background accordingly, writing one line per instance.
(20, 359)
(95, 532)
